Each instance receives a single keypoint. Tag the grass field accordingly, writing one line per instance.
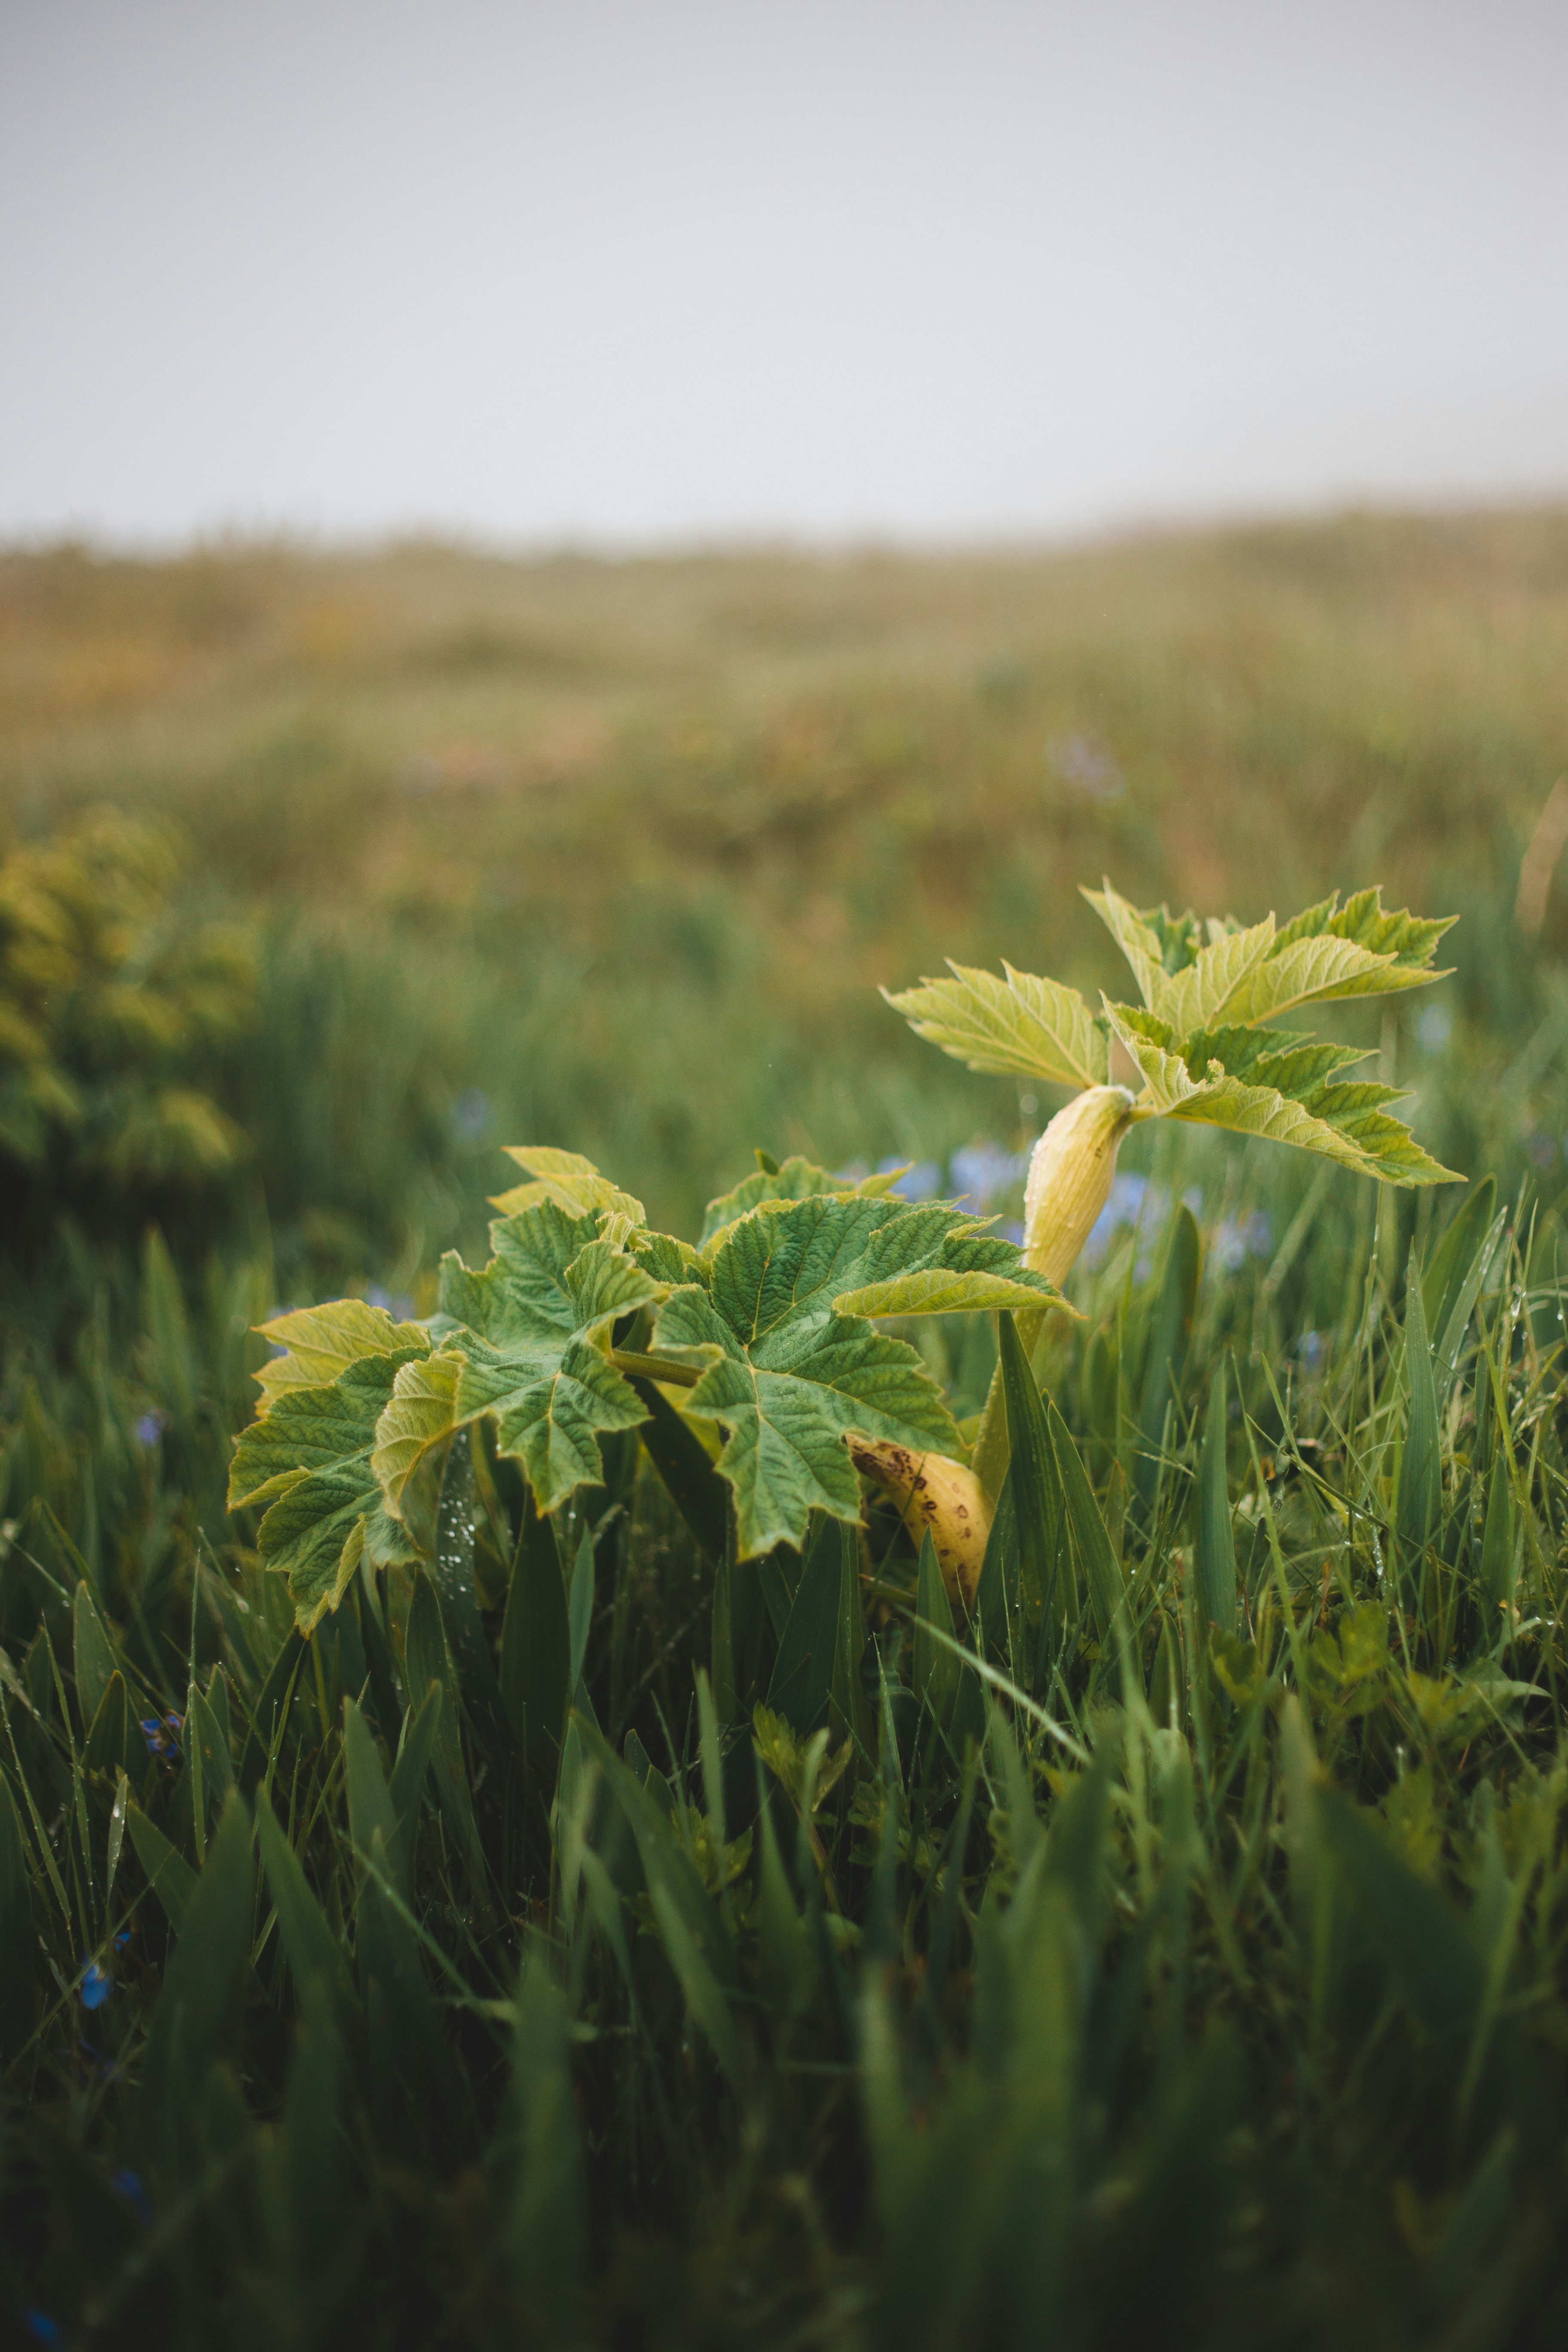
(1121, 1972)
(624, 851)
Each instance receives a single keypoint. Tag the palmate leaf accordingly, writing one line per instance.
(516, 1340)
(792, 1179)
(1135, 935)
(1021, 1026)
(772, 1317)
(790, 1374)
(1288, 1095)
(309, 1460)
(1410, 940)
(1245, 976)
(573, 1182)
(1028, 1026)
(1218, 976)
(322, 1341)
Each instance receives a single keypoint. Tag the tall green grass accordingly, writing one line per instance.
(593, 1939)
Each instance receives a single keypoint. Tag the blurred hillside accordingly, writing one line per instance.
(615, 854)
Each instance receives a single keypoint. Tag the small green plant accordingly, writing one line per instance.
(587, 1322)
(1197, 1047)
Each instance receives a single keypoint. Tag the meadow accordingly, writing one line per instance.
(1066, 1974)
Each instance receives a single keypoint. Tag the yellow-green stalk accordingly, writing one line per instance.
(935, 1497)
(1070, 1182)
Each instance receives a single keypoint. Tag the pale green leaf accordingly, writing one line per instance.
(1022, 1025)
(1358, 950)
(310, 1458)
(1204, 991)
(550, 1414)
(1272, 1057)
(1136, 936)
(323, 1341)
(1345, 1123)
(667, 1259)
(572, 1183)
(311, 1428)
(1411, 939)
(936, 1292)
(421, 1412)
(1318, 972)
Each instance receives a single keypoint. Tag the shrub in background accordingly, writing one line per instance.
(115, 1001)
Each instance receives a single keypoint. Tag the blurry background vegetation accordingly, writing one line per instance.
(614, 856)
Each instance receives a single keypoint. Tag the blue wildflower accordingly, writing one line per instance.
(1229, 1247)
(97, 1984)
(1236, 1241)
(471, 1115)
(149, 1430)
(1126, 1203)
(42, 2329)
(980, 1171)
(130, 2186)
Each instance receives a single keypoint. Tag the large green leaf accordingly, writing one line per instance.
(320, 1342)
(1344, 1122)
(1218, 978)
(574, 1184)
(517, 1340)
(778, 1350)
(308, 1459)
(1021, 1026)
(1246, 976)
(1410, 940)
(791, 1180)
(789, 1379)
(1330, 952)
(933, 1261)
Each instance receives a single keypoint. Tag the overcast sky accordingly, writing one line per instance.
(622, 270)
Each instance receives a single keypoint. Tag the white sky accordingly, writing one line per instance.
(621, 271)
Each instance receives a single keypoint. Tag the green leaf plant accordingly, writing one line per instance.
(1198, 1046)
(762, 1336)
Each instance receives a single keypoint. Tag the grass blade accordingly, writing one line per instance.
(1215, 1545)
